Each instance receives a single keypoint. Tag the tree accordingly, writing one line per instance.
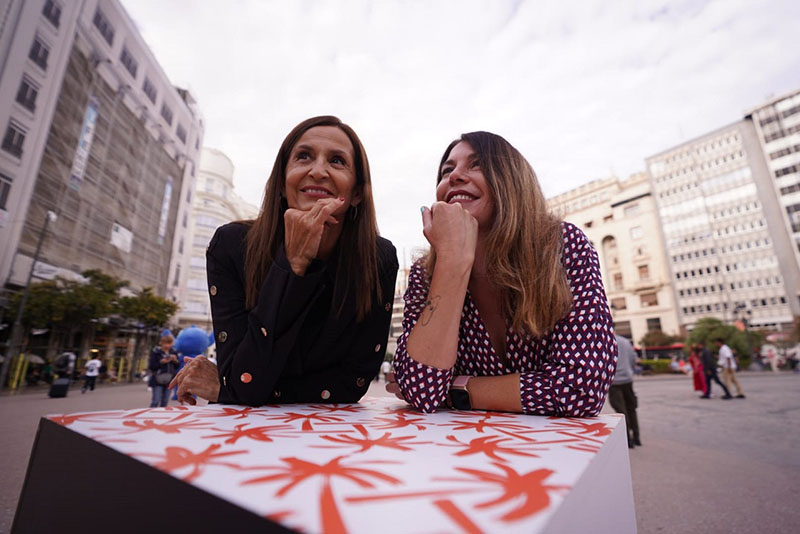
(148, 310)
(657, 338)
(66, 306)
(44, 306)
(708, 328)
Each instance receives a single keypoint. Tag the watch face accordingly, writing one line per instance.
(460, 399)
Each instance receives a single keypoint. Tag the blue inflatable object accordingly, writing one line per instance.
(192, 341)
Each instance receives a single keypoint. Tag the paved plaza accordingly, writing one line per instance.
(706, 465)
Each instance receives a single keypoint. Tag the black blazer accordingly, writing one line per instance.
(291, 347)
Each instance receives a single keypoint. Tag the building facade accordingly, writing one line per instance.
(777, 125)
(620, 219)
(730, 254)
(214, 204)
(95, 133)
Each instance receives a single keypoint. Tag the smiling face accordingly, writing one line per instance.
(462, 181)
(321, 165)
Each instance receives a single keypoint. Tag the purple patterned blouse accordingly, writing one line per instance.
(567, 372)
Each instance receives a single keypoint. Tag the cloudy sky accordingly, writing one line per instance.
(584, 89)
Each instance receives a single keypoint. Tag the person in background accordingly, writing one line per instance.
(301, 297)
(710, 369)
(92, 371)
(621, 395)
(698, 374)
(163, 359)
(507, 311)
(386, 368)
(728, 364)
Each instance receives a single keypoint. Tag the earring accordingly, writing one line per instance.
(352, 212)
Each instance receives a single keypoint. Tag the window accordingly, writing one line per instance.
(103, 26)
(39, 53)
(13, 139)
(5, 189)
(27, 93)
(177, 280)
(618, 303)
(648, 299)
(130, 64)
(631, 210)
(623, 328)
(654, 324)
(52, 12)
(618, 281)
(198, 261)
(181, 133)
(180, 246)
(637, 232)
(644, 272)
(166, 113)
(197, 283)
(149, 90)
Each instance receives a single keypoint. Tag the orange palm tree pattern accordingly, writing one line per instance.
(452, 471)
(400, 419)
(67, 420)
(306, 418)
(527, 487)
(296, 471)
(256, 433)
(365, 442)
(178, 458)
(492, 447)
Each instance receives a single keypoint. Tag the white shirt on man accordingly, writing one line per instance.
(93, 367)
(726, 359)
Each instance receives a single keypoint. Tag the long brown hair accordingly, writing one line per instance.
(357, 266)
(525, 242)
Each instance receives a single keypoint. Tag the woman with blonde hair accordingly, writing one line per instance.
(507, 311)
(301, 297)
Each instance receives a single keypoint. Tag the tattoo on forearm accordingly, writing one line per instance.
(430, 307)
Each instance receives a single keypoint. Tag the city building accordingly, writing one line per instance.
(620, 219)
(214, 204)
(95, 133)
(777, 124)
(730, 252)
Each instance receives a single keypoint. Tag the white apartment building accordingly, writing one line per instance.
(777, 124)
(214, 204)
(729, 251)
(94, 131)
(620, 219)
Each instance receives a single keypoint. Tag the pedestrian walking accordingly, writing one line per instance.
(710, 370)
(698, 374)
(621, 394)
(728, 364)
(92, 370)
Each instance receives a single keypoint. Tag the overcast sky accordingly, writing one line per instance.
(584, 89)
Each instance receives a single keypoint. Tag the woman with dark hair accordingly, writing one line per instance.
(301, 297)
(507, 311)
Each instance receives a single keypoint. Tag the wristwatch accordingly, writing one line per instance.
(459, 394)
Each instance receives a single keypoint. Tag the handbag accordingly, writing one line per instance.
(163, 378)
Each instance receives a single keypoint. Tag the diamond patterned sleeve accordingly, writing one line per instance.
(578, 357)
(423, 386)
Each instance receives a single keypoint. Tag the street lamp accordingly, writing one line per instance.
(16, 332)
(745, 316)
